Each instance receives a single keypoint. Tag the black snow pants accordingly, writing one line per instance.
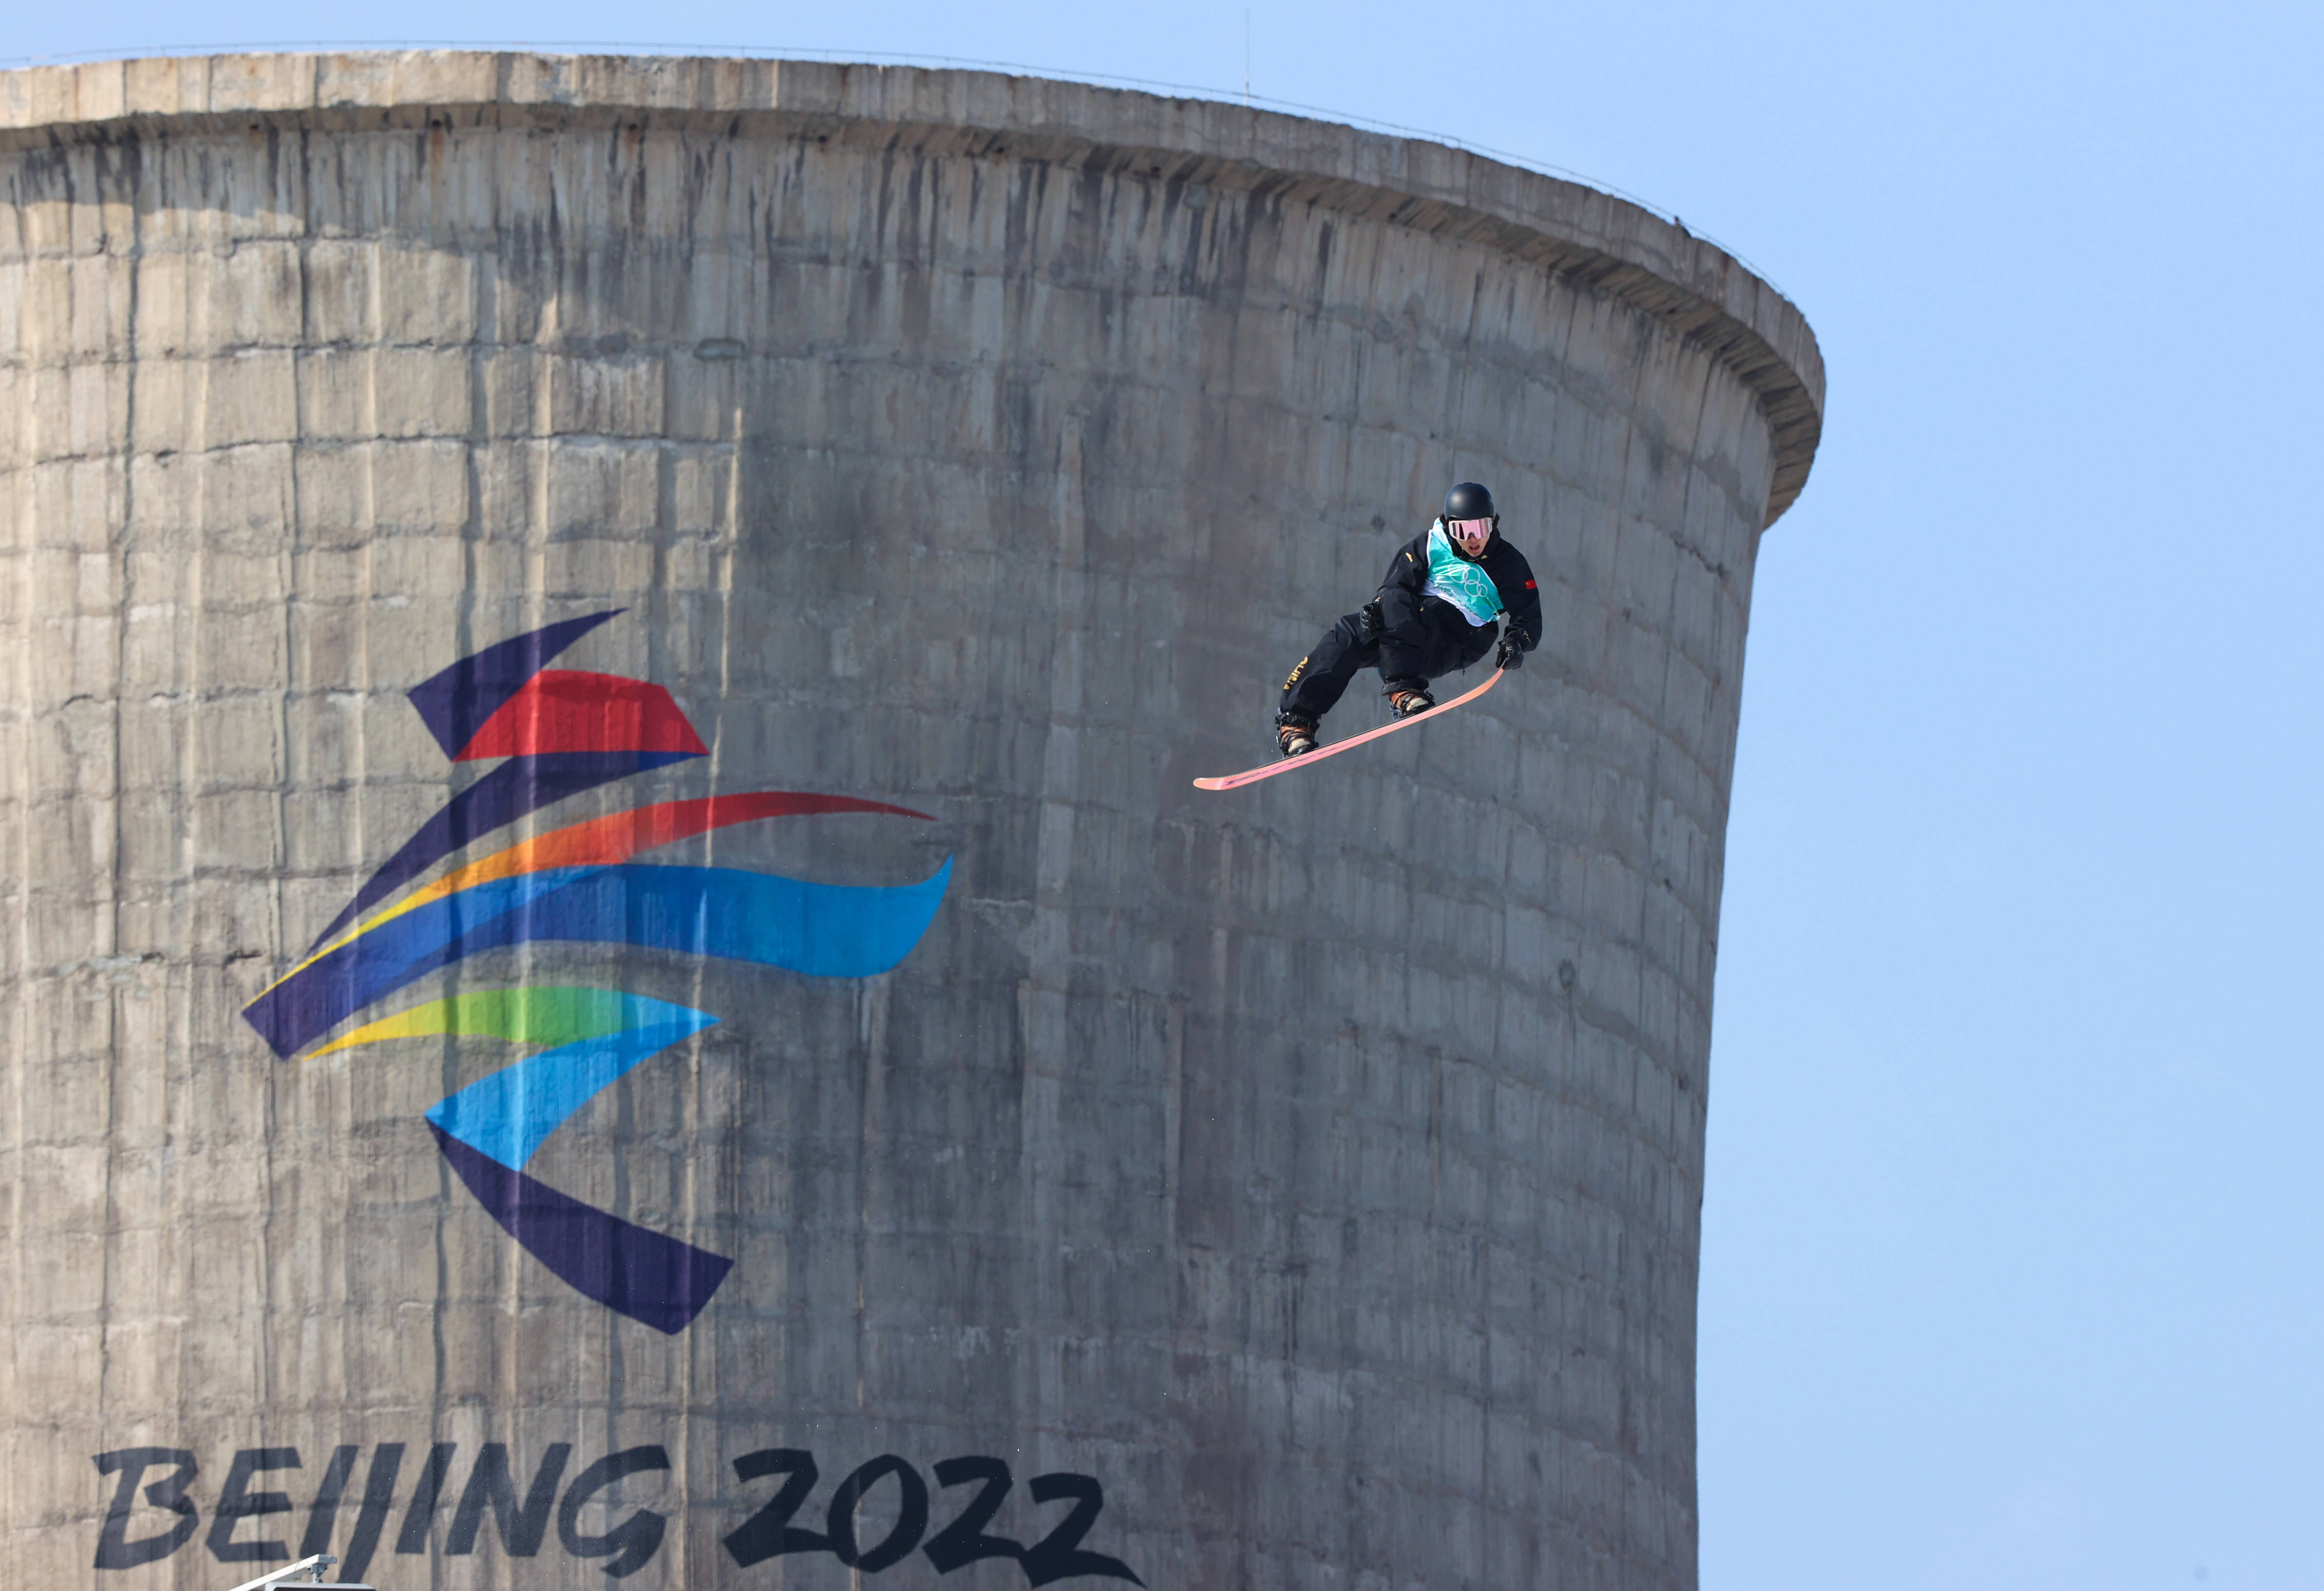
(1421, 639)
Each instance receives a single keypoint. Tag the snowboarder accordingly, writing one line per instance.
(1433, 616)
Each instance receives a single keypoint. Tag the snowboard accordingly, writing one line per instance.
(1285, 765)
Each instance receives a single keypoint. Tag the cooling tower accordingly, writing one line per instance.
(610, 963)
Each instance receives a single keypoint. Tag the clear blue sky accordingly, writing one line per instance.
(2013, 1276)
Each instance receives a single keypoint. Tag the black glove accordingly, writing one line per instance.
(1508, 654)
(1373, 623)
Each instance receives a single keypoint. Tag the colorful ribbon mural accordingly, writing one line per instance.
(563, 734)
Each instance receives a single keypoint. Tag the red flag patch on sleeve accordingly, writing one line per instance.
(1528, 585)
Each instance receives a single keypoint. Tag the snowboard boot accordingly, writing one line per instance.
(1404, 704)
(1295, 736)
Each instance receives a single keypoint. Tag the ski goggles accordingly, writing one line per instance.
(1471, 533)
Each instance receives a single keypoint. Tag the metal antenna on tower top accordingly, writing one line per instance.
(1246, 55)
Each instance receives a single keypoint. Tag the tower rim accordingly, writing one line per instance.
(1609, 244)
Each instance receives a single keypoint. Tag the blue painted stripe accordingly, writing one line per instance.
(824, 930)
(509, 1114)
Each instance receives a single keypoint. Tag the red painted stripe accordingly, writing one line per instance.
(560, 710)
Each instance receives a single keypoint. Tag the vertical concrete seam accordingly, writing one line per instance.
(117, 547)
(17, 724)
(1048, 1037)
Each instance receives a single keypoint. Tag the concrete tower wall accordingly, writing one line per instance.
(1314, 1169)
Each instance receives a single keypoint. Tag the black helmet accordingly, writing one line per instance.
(1468, 501)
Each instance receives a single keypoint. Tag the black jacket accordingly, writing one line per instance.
(1511, 575)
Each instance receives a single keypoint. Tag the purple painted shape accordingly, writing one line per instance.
(634, 1272)
(519, 785)
(457, 703)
